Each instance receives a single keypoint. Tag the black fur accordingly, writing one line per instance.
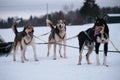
(102, 22)
(88, 37)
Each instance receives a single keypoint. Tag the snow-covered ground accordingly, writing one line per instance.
(61, 69)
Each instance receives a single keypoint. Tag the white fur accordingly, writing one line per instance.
(102, 39)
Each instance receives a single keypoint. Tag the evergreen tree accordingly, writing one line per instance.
(89, 10)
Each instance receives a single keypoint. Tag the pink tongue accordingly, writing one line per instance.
(96, 32)
(31, 34)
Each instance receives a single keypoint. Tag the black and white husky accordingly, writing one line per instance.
(57, 35)
(98, 34)
(102, 38)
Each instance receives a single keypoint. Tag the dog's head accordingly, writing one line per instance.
(61, 25)
(29, 30)
(99, 25)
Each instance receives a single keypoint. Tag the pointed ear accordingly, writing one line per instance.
(96, 18)
(105, 18)
(64, 21)
(58, 21)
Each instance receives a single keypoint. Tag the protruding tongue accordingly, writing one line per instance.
(97, 31)
(31, 34)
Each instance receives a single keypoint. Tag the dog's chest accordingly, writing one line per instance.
(60, 36)
(102, 38)
(27, 39)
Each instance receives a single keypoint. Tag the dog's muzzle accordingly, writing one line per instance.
(97, 31)
(31, 33)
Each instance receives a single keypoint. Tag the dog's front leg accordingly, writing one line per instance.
(105, 54)
(24, 54)
(35, 55)
(48, 49)
(14, 55)
(97, 53)
(64, 47)
(54, 51)
(15, 49)
(60, 47)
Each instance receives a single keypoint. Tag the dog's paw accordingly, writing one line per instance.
(36, 60)
(89, 63)
(54, 58)
(61, 56)
(22, 62)
(26, 59)
(65, 57)
(79, 64)
(14, 59)
(106, 65)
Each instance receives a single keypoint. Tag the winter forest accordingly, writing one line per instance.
(82, 15)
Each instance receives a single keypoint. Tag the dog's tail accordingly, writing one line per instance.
(15, 25)
(49, 23)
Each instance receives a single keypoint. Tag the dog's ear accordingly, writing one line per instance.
(64, 21)
(96, 17)
(25, 28)
(105, 18)
(58, 21)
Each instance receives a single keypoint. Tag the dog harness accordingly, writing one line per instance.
(28, 42)
(61, 36)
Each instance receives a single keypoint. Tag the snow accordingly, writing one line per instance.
(114, 15)
(61, 69)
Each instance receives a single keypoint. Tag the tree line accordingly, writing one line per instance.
(86, 14)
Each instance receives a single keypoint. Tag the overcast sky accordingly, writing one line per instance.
(25, 8)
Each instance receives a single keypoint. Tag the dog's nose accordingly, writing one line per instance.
(102, 40)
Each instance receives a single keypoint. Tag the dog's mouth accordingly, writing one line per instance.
(31, 33)
(97, 30)
(61, 27)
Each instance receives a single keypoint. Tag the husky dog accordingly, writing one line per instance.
(86, 38)
(101, 38)
(97, 34)
(57, 35)
(23, 39)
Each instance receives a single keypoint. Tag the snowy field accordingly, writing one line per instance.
(61, 69)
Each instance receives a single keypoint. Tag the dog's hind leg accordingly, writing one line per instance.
(49, 45)
(90, 49)
(80, 52)
(105, 54)
(54, 58)
(22, 53)
(16, 45)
